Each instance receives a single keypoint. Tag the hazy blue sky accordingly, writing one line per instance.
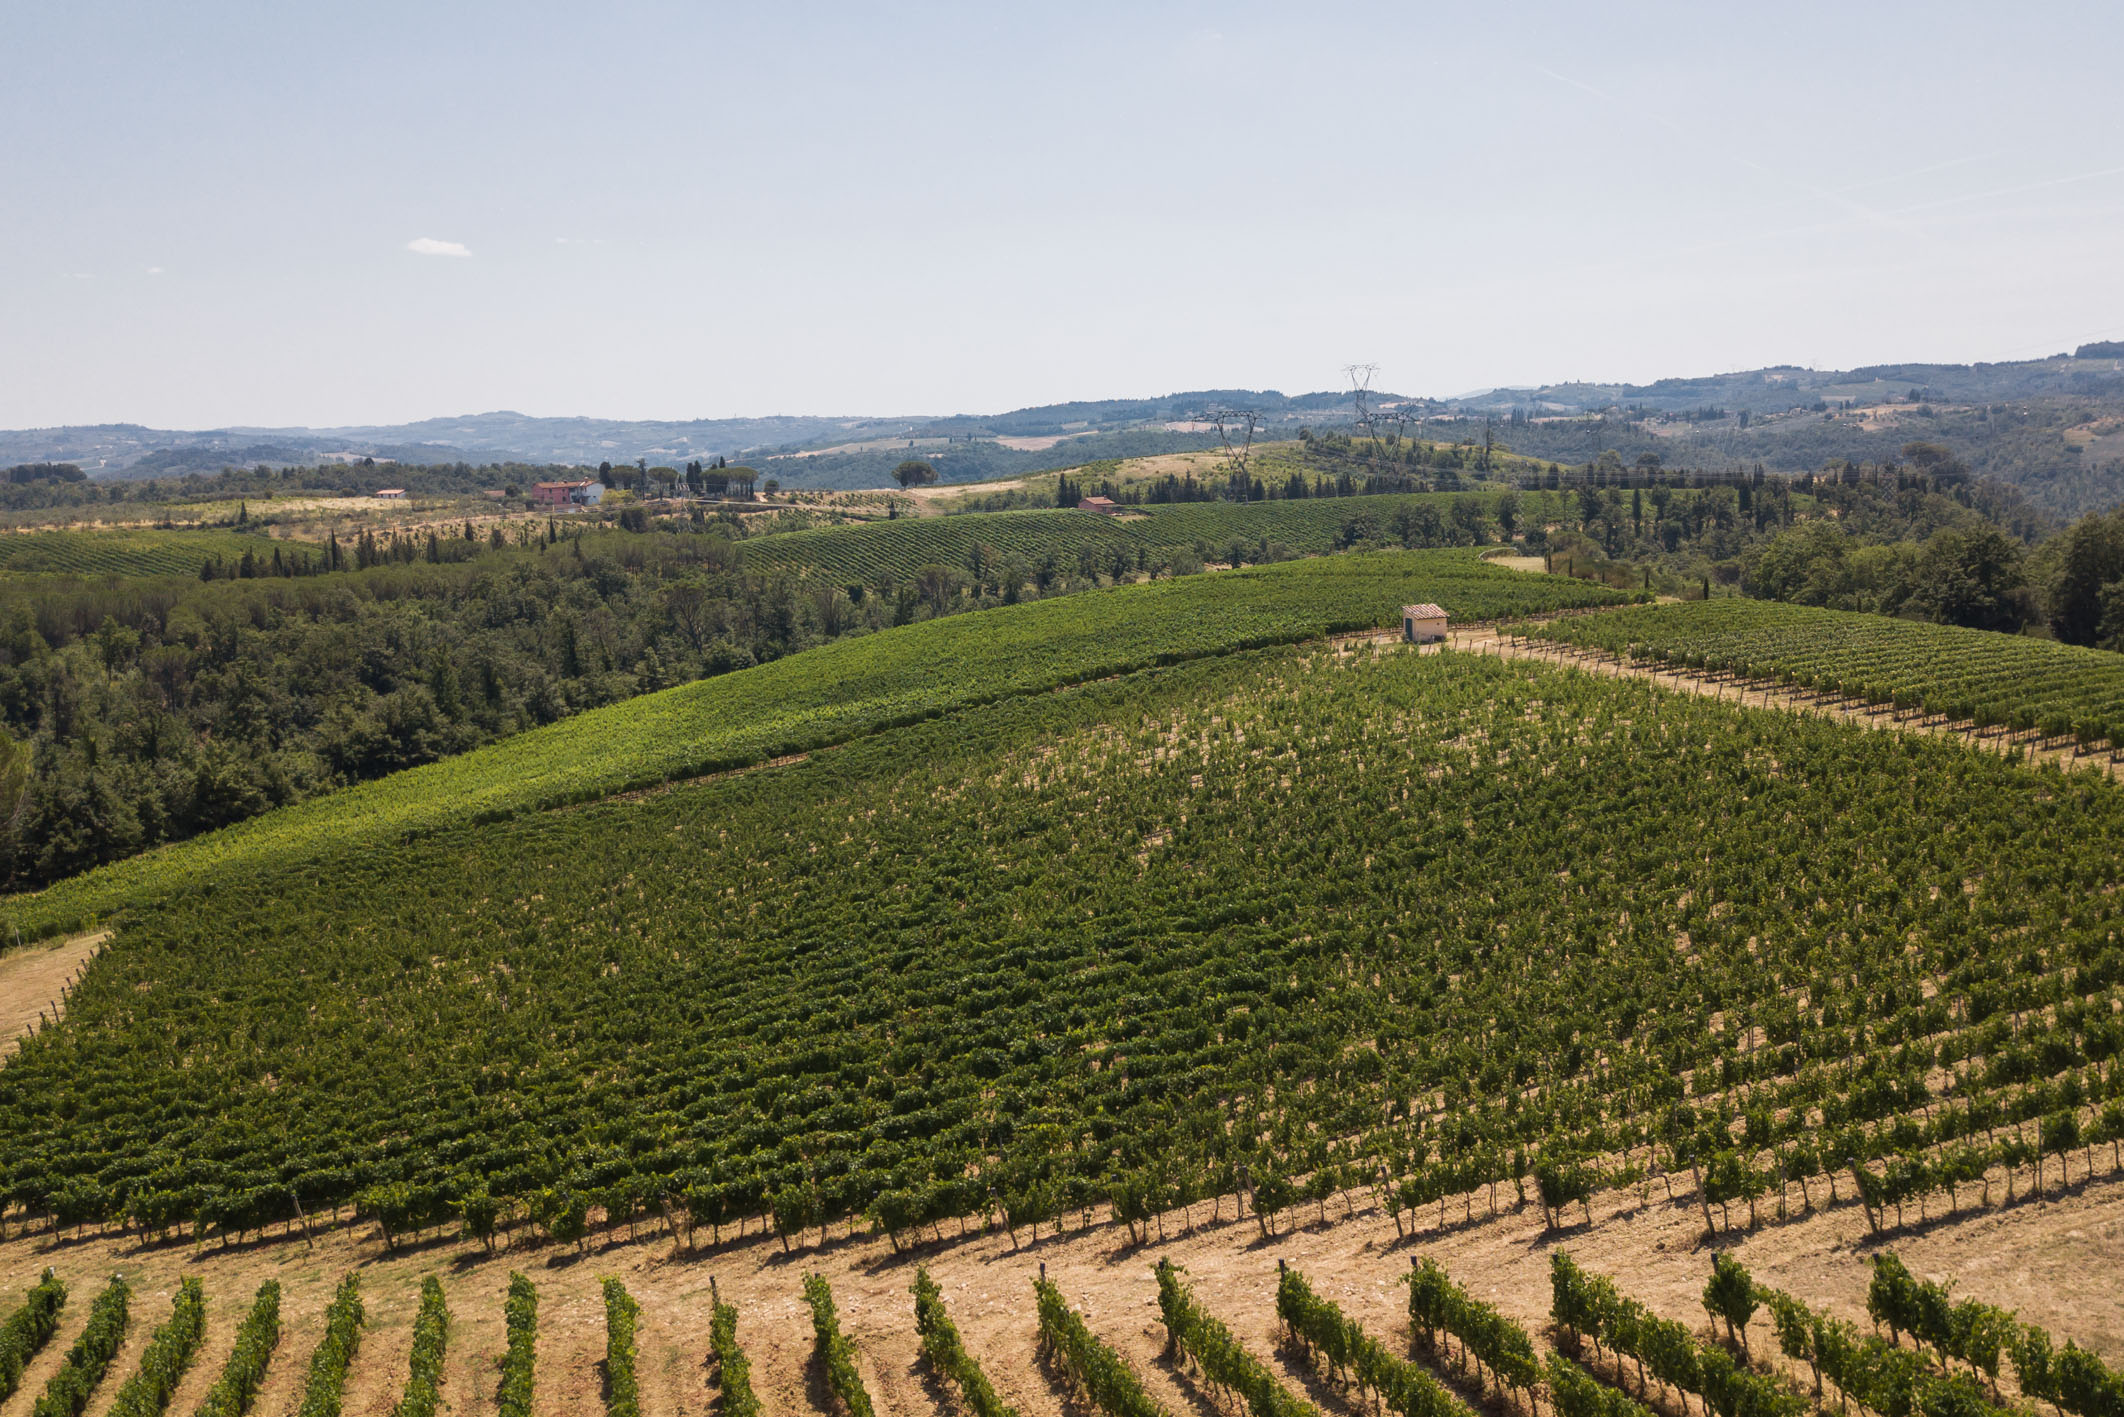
(248, 213)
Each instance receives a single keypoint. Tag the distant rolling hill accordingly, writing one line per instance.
(2054, 426)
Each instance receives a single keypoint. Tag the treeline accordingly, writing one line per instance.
(1239, 486)
(2082, 577)
(38, 486)
(2022, 444)
(1965, 571)
(148, 710)
(22, 474)
(1919, 538)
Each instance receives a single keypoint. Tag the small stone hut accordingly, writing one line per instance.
(1423, 624)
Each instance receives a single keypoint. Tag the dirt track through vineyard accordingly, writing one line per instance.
(2053, 1260)
(34, 980)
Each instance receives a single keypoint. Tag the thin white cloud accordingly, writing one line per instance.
(154, 270)
(429, 246)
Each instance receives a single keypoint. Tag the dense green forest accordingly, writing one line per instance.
(150, 709)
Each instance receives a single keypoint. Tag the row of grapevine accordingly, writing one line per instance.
(948, 1355)
(623, 1397)
(431, 1335)
(1244, 804)
(733, 1370)
(1099, 1374)
(325, 1384)
(1881, 1375)
(1867, 1369)
(131, 551)
(1353, 1355)
(169, 1355)
(256, 1339)
(1576, 1395)
(1591, 1307)
(1222, 1358)
(28, 1329)
(1978, 677)
(835, 1351)
(520, 1318)
(2073, 1380)
(1438, 1305)
(69, 1389)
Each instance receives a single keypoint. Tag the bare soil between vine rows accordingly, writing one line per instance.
(2055, 1260)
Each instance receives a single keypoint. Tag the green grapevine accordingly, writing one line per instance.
(69, 1389)
(1222, 1359)
(28, 1329)
(431, 1333)
(733, 1370)
(947, 1354)
(1347, 1350)
(837, 1353)
(256, 1338)
(520, 1316)
(622, 1392)
(1093, 1369)
(325, 1384)
(169, 1355)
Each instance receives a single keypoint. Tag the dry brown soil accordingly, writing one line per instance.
(1534, 564)
(1040, 443)
(2054, 1260)
(33, 977)
(929, 500)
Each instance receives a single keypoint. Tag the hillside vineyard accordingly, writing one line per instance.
(129, 552)
(1988, 681)
(1426, 922)
(828, 695)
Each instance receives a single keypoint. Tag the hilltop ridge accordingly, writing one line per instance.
(2049, 425)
